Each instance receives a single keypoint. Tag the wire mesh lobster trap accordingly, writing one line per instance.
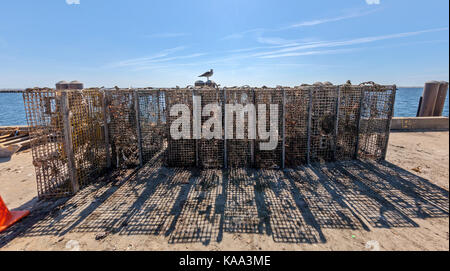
(152, 122)
(45, 123)
(76, 135)
(349, 110)
(297, 119)
(375, 120)
(239, 152)
(123, 133)
(180, 152)
(323, 123)
(67, 138)
(273, 100)
(210, 149)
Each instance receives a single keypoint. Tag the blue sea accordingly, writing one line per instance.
(12, 109)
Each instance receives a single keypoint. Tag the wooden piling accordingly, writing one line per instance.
(430, 93)
(440, 99)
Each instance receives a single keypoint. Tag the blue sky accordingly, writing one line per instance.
(253, 42)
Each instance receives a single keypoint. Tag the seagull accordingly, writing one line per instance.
(207, 74)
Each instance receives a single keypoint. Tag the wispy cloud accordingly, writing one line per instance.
(167, 35)
(331, 19)
(275, 41)
(72, 2)
(260, 31)
(308, 53)
(277, 48)
(373, 2)
(356, 41)
(239, 35)
(151, 64)
(137, 61)
(163, 56)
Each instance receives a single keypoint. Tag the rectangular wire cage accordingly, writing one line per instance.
(77, 135)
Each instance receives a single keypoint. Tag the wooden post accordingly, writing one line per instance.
(358, 123)
(336, 124)
(440, 99)
(252, 141)
(283, 130)
(420, 105)
(105, 113)
(429, 96)
(138, 127)
(390, 115)
(225, 161)
(68, 142)
(308, 148)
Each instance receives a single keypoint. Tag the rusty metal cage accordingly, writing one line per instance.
(266, 97)
(45, 123)
(123, 133)
(68, 138)
(297, 122)
(323, 123)
(152, 122)
(347, 123)
(76, 135)
(180, 152)
(88, 139)
(377, 110)
(239, 152)
(210, 151)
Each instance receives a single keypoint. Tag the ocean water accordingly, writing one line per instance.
(12, 110)
(407, 102)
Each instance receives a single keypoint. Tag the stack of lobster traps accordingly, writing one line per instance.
(78, 135)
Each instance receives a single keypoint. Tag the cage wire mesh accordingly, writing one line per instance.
(348, 117)
(180, 152)
(76, 135)
(239, 151)
(50, 145)
(210, 151)
(122, 128)
(152, 110)
(376, 114)
(88, 139)
(296, 115)
(323, 122)
(267, 97)
(44, 117)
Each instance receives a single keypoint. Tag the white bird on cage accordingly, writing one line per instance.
(207, 74)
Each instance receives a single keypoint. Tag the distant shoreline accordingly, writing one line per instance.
(11, 90)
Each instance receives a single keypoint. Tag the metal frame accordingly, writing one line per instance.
(105, 128)
(336, 121)
(308, 155)
(138, 127)
(283, 146)
(225, 154)
(361, 105)
(391, 114)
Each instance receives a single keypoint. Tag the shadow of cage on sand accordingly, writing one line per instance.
(292, 206)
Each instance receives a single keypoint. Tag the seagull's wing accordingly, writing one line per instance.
(203, 75)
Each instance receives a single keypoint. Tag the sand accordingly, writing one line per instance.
(401, 204)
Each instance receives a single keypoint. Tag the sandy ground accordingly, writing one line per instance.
(401, 204)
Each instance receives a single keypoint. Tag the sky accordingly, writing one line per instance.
(140, 43)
